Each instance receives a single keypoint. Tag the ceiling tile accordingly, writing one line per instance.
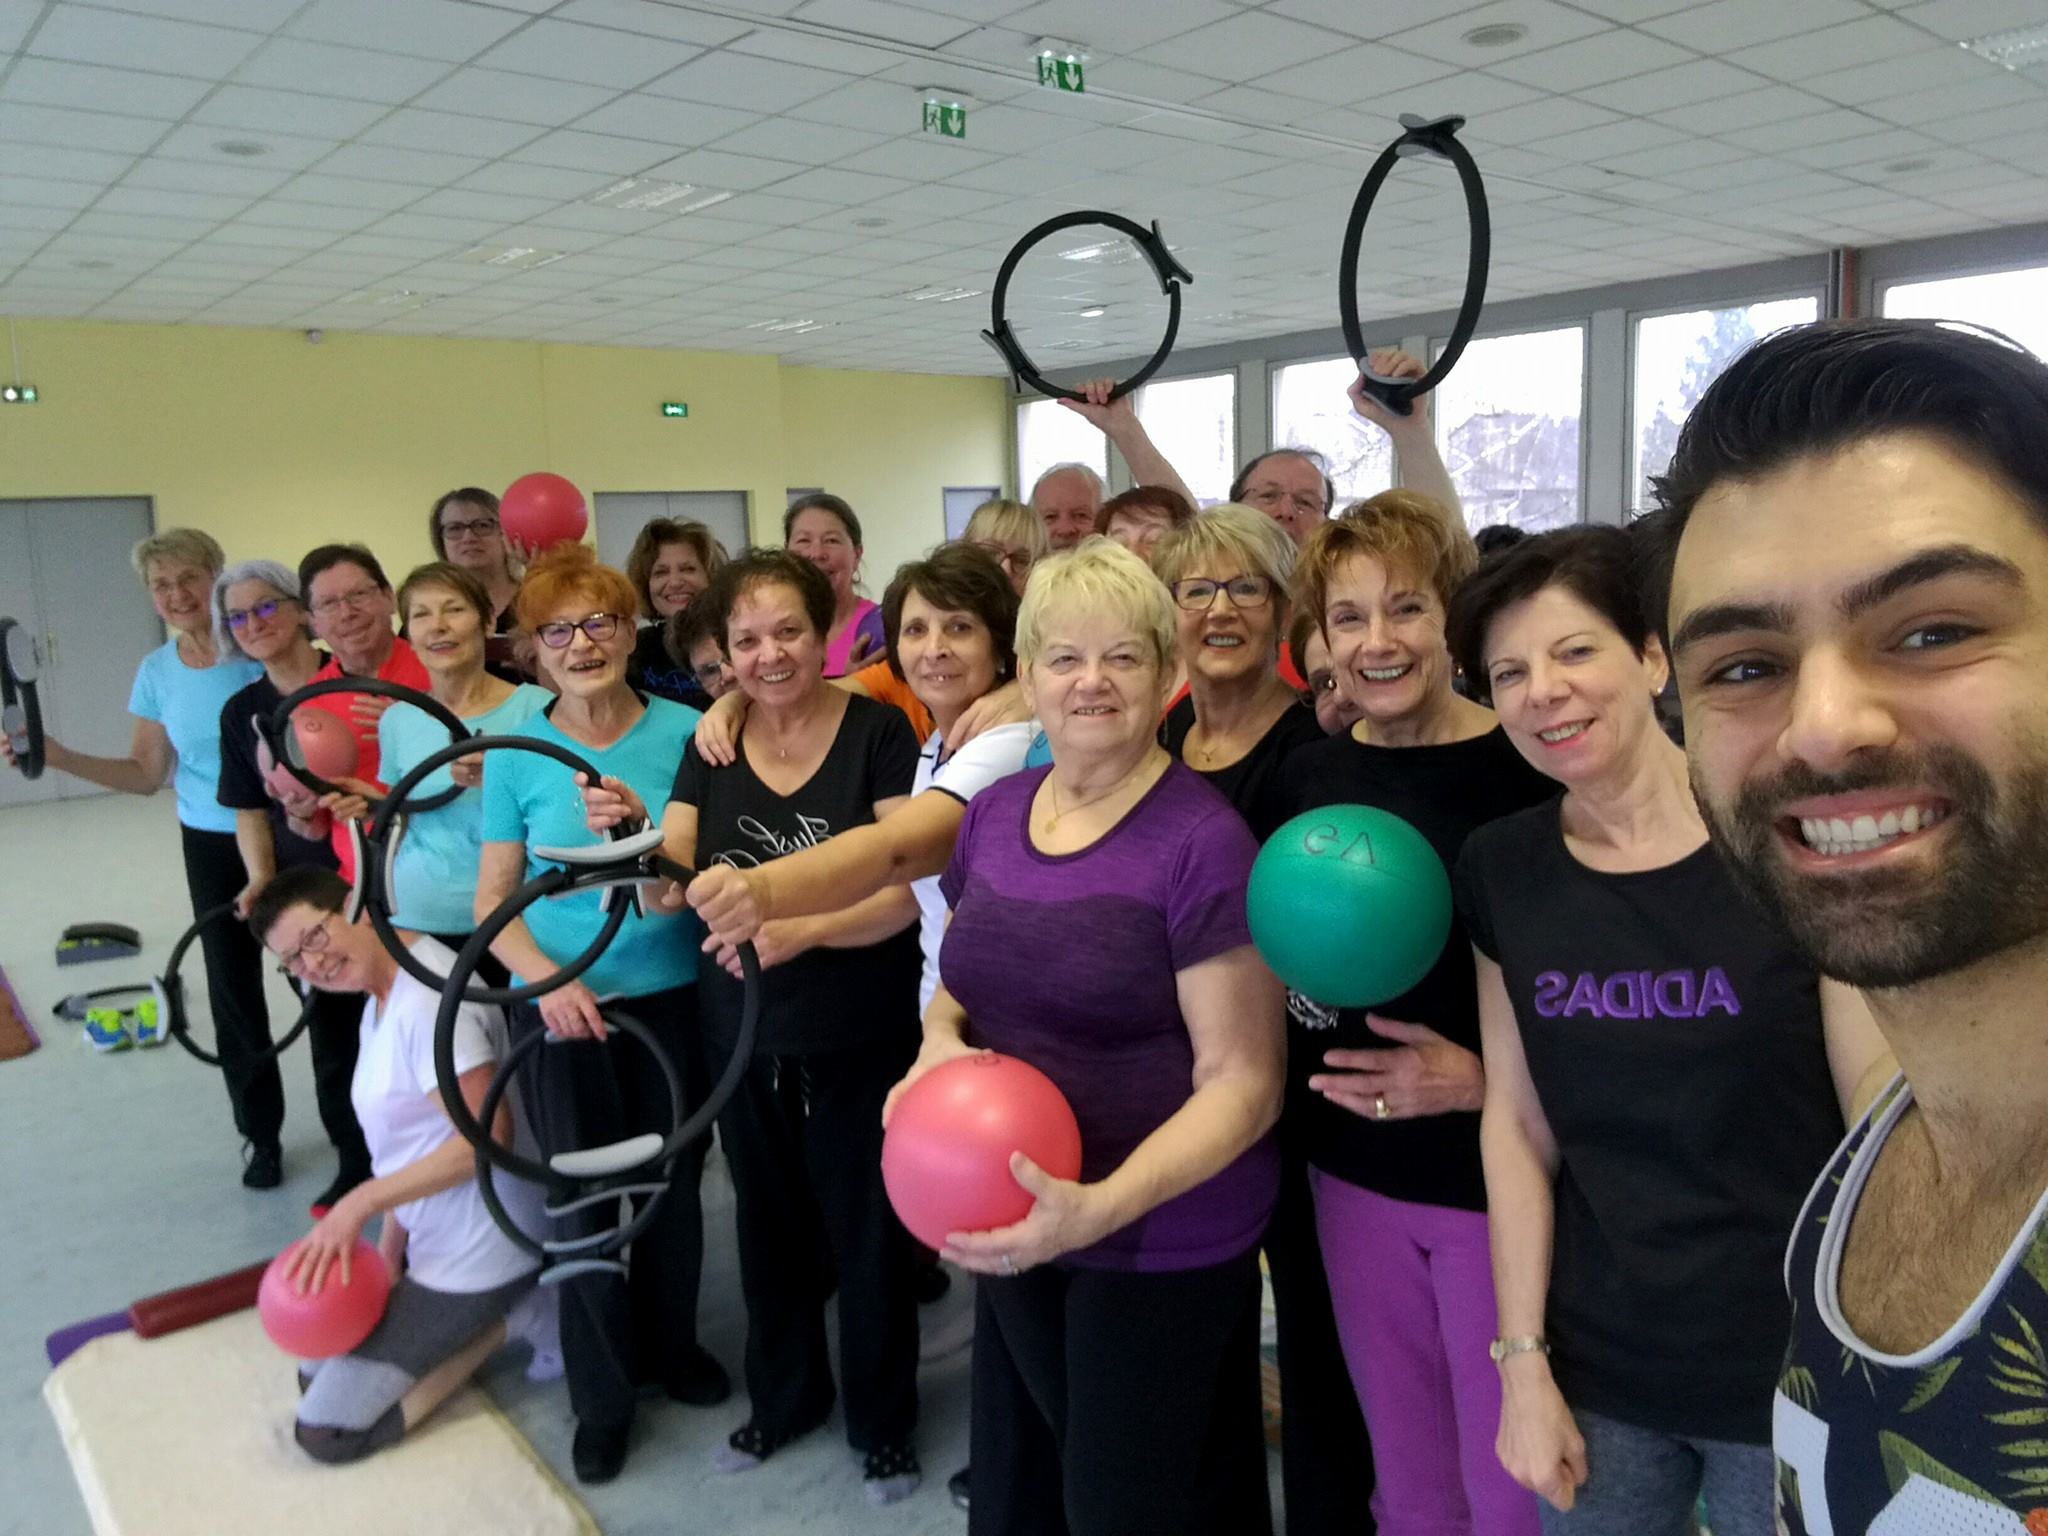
(26, 123)
(731, 173)
(1959, 19)
(922, 158)
(1795, 134)
(752, 84)
(1246, 45)
(665, 120)
(1379, 19)
(515, 98)
(453, 133)
(52, 82)
(349, 191)
(384, 162)
(293, 215)
(1595, 60)
(568, 149)
(328, 70)
(869, 104)
(1772, 104)
(1663, 89)
(83, 34)
(282, 151)
(1534, 120)
(260, 110)
(1115, 30)
(92, 167)
(1876, 83)
(653, 19)
(536, 181)
(784, 138)
(432, 29)
(1347, 76)
(1547, 24)
(1812, 53)
(847, 188)
(191, 176)
(1723, 25)
(145, 201)
(881, 19)
(560, 50)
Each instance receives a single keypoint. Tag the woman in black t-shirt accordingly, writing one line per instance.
(670, 565)
(839, 1027)
(1665, 1076)
(1384, 1106)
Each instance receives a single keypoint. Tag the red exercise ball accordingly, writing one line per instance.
(327, 747)
(946, 1154)
(540, 511)
(332, 1320)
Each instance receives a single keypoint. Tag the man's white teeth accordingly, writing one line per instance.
(1382, 674)
(1559, 733)
(1836, 836)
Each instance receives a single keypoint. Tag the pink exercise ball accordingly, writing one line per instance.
(946, 1154)
(542, 510)
(327, 747)
(332, 1320)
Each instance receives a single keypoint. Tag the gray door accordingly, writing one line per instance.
(961, 500)
(622, 514)
(92, 617)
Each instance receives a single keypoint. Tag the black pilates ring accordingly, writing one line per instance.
(1023, 372)
(276, 730)
(647, 1175)
(376, 842)
(170, 997)
(1420, 136)
(21, 705)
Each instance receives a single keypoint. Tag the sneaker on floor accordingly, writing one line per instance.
(956, 1485)
(148, 1026)
(891, 1474)
(750, 1445)
(106, 1030)
(262, 1167)
(599, 1451)
(344, 1181)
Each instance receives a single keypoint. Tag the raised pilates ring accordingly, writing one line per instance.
(376, 840)
(169, 991)
(1023, 372)
(276, 731)
(21, 705)
(1420, 136)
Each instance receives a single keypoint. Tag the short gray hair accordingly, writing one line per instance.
(1069, 468)
(281, 579)
(188, 545)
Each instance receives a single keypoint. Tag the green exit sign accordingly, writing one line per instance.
(19, 394)
(946, 118)
(1061, 73)
(675, 408)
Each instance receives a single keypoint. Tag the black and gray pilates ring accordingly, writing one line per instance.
(1023, 372)
(21, 705)
(1420, 136)
(276, 730)
(170, 999)
(611, 865)
(638, 1165)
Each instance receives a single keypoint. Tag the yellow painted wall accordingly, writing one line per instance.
(273, 444)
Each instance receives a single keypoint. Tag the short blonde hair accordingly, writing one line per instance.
(1100, 576)
(1003, 521)
(1233, 532)
(188, 546)
(1407, 532)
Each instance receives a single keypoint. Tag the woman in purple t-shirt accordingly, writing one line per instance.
(1098, 932)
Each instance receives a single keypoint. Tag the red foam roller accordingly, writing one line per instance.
(190, 1305)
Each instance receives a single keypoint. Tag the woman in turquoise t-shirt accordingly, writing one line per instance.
(446, 612)
(583, 1095)
(176, 701)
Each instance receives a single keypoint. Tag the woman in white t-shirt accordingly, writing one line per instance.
(950, 621)
(458, 1275)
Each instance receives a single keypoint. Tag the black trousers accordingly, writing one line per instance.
(804, 1138)
(241, 1019)
(1115, 1404)
(618, 1333)
(1325, 1458)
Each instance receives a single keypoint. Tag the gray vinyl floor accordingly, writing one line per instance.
(119, 1176)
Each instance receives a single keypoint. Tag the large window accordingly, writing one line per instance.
(2013, 302)
(1678, 356)
(1193, 422)
(1507, 422)
(1311, 411)
(1048, 434)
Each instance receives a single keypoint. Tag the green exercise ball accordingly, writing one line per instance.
(1349, 905)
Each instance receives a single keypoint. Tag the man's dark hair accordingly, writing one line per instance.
(766, 568)
(1595, 563)
(1495, 537)
(1816, 389)
(328, 556)
(1329, 486)
(321, 889)
(958, 578)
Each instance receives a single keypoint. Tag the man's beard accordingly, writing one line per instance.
(1894, 927)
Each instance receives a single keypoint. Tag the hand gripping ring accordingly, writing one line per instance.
(639, 1165)
(21, 706)
(1420, 136)
(377, 839)
(169, 990)
(1172, 274)
(276, 731)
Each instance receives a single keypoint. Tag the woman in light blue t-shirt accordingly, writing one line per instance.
(447, 617)
(176, 701)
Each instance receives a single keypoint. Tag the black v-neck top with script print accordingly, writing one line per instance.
(825, 999)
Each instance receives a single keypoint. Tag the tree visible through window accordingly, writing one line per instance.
(1507, 422)
(1311, 411)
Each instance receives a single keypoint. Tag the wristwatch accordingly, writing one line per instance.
(1525, 1344)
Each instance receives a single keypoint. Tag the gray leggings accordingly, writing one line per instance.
(351, 1403)
(1642, 1482)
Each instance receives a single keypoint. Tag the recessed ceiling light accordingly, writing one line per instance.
(1903, 167)
(1092, 312)
(1054, 48)
(242, 149)
(1497, 34)
(645, 194)
(941, 295)
(947, 94)
(522, 257)
(870, 223)
(2020, 48)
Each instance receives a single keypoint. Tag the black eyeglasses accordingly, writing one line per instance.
(1197, 594)
(480, 525)
(557, 634)
(238, 618)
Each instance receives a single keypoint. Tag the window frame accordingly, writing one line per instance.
(1584, 325)
(1237, 454)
